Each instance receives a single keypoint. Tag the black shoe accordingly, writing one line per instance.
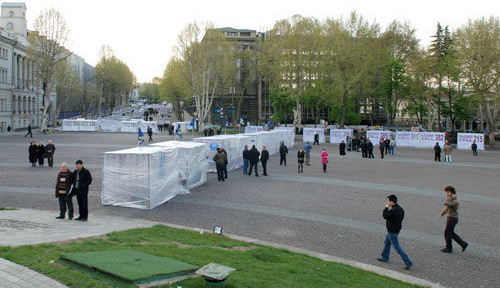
(257, 176)
(78, 219)
(446, 250)
(83, 219)
(70, 218)
(465, 247)
(265, 174)
(407, 267)
(381, 260)
(60, 217)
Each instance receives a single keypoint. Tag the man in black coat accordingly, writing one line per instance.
(254, 160)
(394, 215)
(437, 152)
(283, 152)
(81, 181)
(263, 158)
(369, 147)
(224, 168)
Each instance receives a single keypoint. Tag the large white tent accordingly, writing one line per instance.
(233, 144)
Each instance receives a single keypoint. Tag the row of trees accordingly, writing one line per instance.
(347, 66)
(54, 71)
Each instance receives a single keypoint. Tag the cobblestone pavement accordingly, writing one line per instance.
(336, 213)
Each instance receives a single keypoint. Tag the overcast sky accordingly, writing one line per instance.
(142, 33)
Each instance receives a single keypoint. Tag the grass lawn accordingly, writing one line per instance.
(256, 266)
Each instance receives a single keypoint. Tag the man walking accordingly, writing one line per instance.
(150, 134)
(254, 160)
(307, 149)
(246, 160)
(451, 212)
(50, 149)
(283, 152)
(29, 131)
(264, 156)
(81, 181)
(474, 148)
(219, 159)
(394, 215)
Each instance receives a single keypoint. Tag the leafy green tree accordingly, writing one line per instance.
(68, 86)
(47, 47)
(150, 91)
(478, 46)
(174, 87)
(283, 104)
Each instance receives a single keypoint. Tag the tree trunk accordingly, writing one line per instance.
(344, 108)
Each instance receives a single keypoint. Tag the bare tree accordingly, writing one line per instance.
(47, 48)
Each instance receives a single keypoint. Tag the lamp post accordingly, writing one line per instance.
(85, 94)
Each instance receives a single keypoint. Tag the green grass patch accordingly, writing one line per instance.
(256, 265)
(7, 208)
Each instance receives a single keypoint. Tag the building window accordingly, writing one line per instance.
(4, 53)
(245, 34)
(233, 34)
(3, 75)
(10, 26)
(11, 13)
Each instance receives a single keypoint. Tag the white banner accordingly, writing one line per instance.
(70, 125)
(339, 135)
(419, 139)
(253, 129)
(145, 124)
(109, 125)
(375, 135)
(308, 134)
(87, 125)
(465, 140)
(130, 126)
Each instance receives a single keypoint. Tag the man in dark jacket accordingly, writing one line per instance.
(220, 159)
(51, 149)
(437, 152)
(254, 160)
(29, 131)
(394, 215)
(246, 160)
(369, 147)
(224, 168)
(81, 180)
(283, 152)
(263, 158)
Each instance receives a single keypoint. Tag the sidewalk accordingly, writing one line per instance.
(26, 227)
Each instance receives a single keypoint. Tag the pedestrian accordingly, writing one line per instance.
(219, 159)
(254, 161)
(369, 145)
(224, 168)
(40, 153)
(387, 142)
(264, 156)
(32, 156)
(392, 144)
(447, 151)
(63, 191)
(451, 212)
(51, 149)
(324, 159)
(474, 148)
(316, 139)
(342, 148)
(381, 144)
(437, 152)
(246, 160)
(29, 131)
(300, 159)
(307, 149)
(394, 215)
(150, 134)
(81, 179)
(283, 152)
(364, 149)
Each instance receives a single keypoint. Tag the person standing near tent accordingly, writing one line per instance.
(254, 160)
(283, 152)
(224, 168)
(264, 156)
(300, 160)
(51, 149)
(246, 159)
(370, 149)
(437, 152)
(150, 134)
(219, 159)
(447, 152)
(316, 139)
(324, 159)
(307, 149)
(392, 144)
(381, 144)
(342, 148)
(474, 148)
(81, 178)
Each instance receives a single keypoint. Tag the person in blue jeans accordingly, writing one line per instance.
(246, 159)
(307, 149)
(394, 215)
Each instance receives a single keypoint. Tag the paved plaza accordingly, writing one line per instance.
(337, 213)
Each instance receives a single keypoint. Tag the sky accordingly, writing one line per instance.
(143, 33)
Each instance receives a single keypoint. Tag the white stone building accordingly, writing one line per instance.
(21, 96)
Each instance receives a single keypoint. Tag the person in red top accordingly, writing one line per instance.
(324, 159)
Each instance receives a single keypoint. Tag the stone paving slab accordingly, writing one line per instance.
(14, 275)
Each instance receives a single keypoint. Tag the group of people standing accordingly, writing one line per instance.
(38, 153)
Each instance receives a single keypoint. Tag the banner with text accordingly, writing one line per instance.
(375, 135)
(339, 135)
(253, 129)
(309, 133)
(465, 140)
(419, 139)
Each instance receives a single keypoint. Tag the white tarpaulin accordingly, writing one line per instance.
(141, 177)
(339, 135)
(109, 125)
(419, 139)
(308, 134)
(87, 125)
(191, 161)
(465, 140)
(71, 125)
(145, 124)
(289, 135)
(184, 126)
(231, 143)
(375, 135)
(130, 126)
(253, 129)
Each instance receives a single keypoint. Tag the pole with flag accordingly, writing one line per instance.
(242, 123)
(177, 133)
(192, 127)
(225, 128)
(140, 137)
